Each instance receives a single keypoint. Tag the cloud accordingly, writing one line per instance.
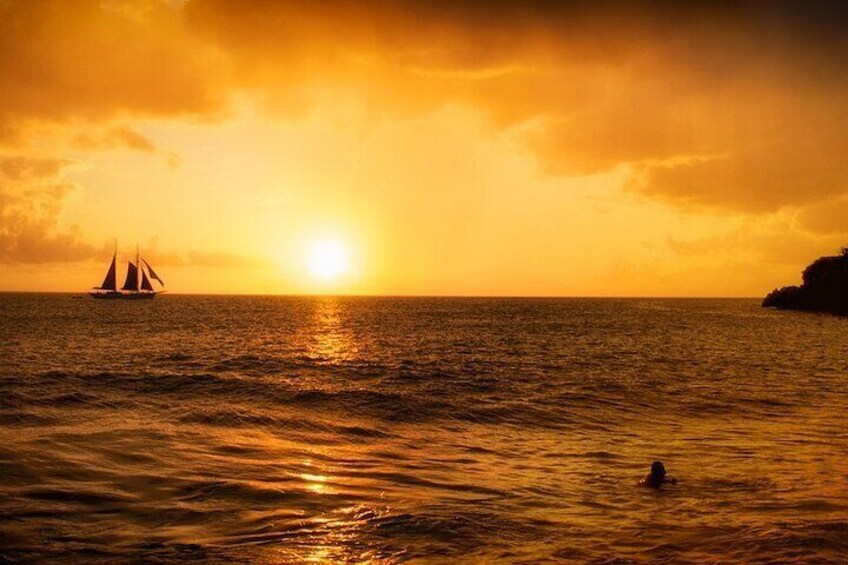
(739, 106)
(194, 258)
(86, 59)
(118, 137)
(32, 197)
(762, 178)
(828, 217)
(661, 88)
(32, 194)
(762, 244)
(19, 168)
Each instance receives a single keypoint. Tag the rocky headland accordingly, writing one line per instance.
(825, 288)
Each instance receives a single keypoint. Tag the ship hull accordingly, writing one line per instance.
(123, 295)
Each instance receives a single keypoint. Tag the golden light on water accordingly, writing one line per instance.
(330, 341)
(315, 483)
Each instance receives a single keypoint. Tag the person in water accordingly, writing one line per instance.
(657, 476)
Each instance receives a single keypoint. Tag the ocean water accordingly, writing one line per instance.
(394, 430)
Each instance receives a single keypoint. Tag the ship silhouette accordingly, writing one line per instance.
(137, 285)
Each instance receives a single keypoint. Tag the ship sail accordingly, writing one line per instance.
(153, 274)
(132, 277)
(110, 282)
(138, 284)
(145, 283)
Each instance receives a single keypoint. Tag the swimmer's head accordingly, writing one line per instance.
(657, 470)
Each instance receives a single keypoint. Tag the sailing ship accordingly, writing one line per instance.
(135, 287)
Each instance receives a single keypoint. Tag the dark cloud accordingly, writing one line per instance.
(737, 105)
(86, 59)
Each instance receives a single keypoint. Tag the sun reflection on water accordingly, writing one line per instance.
(332, 342)
(315, 483)
(338, 537)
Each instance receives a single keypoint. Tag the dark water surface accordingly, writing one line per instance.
(323, 430)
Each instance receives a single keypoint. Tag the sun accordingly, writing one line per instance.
(327, 260)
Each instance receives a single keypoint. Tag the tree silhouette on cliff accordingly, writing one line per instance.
(825, 288)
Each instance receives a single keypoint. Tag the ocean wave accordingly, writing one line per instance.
(259, 430)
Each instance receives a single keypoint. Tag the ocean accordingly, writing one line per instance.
(419, 430)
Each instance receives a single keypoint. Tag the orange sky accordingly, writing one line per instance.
(476, 148)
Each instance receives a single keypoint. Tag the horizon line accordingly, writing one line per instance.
(468, 296)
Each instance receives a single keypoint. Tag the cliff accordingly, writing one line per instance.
(825, 288)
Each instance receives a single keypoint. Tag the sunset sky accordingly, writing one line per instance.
(461, 148)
